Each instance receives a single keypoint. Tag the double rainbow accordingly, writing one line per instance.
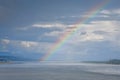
(67, 35)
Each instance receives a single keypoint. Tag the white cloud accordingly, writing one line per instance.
(109, 29)
(105, 12)
(58, 33)
(28, 44)
(113, 11)
(49, 25)
(56, 25)
(5, 41)
(32, 46)
(54, 33)
(52, 25)
(92, 37)
(107, 26)
(37, 47)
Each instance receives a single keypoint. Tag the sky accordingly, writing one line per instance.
(29, 28)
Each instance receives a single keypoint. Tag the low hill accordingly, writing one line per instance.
(8, 57)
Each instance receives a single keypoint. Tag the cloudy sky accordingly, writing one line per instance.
(29, 28)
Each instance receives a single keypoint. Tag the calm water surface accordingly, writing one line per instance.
(59, 71)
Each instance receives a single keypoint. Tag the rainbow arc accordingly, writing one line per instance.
(92, 12)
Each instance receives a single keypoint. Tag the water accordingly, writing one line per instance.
(59, 71)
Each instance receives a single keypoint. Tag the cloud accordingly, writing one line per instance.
(28, 44)
(106, 26)
(54, 33)
(4, 44)
(46, 25)
(96, 31)
(58, 33)
(61, 28)
(35, 47)
(5, 41)
(49, 25)
(105, 12)
(111, 12)
(52, 25)
(92, 37)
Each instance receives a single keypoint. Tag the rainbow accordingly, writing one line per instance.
(67, 35)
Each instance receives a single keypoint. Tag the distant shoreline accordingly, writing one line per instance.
(112, 61)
